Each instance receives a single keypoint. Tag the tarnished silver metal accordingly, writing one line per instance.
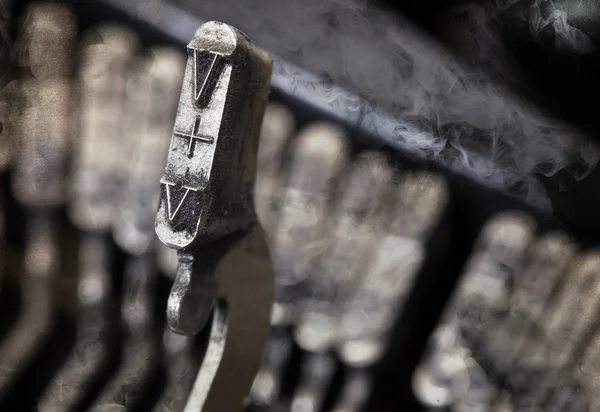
(70, 385)
(140, 350)
(239, 328)
(211, 166)
(36, 319)
(353, 223)
(181, 371)
(179, 363)
(206, 189)
(193, 294)
(101, 159)
(151, 104)
(449, 375)
(206, 200)
(266, 386)
(315, 381)
(415, 207)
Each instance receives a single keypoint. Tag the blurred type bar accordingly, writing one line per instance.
(151, 107)
(105, 52)
(412, 209)
(352, 221)
(42, 97)
(276, 134)
(481, 295)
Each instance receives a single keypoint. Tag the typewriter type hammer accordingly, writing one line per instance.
(206, 213)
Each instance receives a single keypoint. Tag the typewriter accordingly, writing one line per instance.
(317, 206)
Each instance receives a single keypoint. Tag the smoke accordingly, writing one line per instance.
(456, 112)
(546, 16)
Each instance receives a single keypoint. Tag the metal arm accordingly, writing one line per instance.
(206, 213)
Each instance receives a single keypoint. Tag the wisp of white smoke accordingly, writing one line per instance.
(453, 112)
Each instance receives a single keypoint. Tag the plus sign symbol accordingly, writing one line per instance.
(193, 137)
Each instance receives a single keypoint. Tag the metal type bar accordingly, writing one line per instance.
(206, 187)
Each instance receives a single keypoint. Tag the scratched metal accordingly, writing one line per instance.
(206, 189)
(353, 221)
(36, 319)
(71, 383)
(239, 327)
(181, 371)
(211, 166)
(100, 157)
(151, 105)
(448, 375)
(193, 294)
(315, 381)
(140, 350)
(415, 208)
